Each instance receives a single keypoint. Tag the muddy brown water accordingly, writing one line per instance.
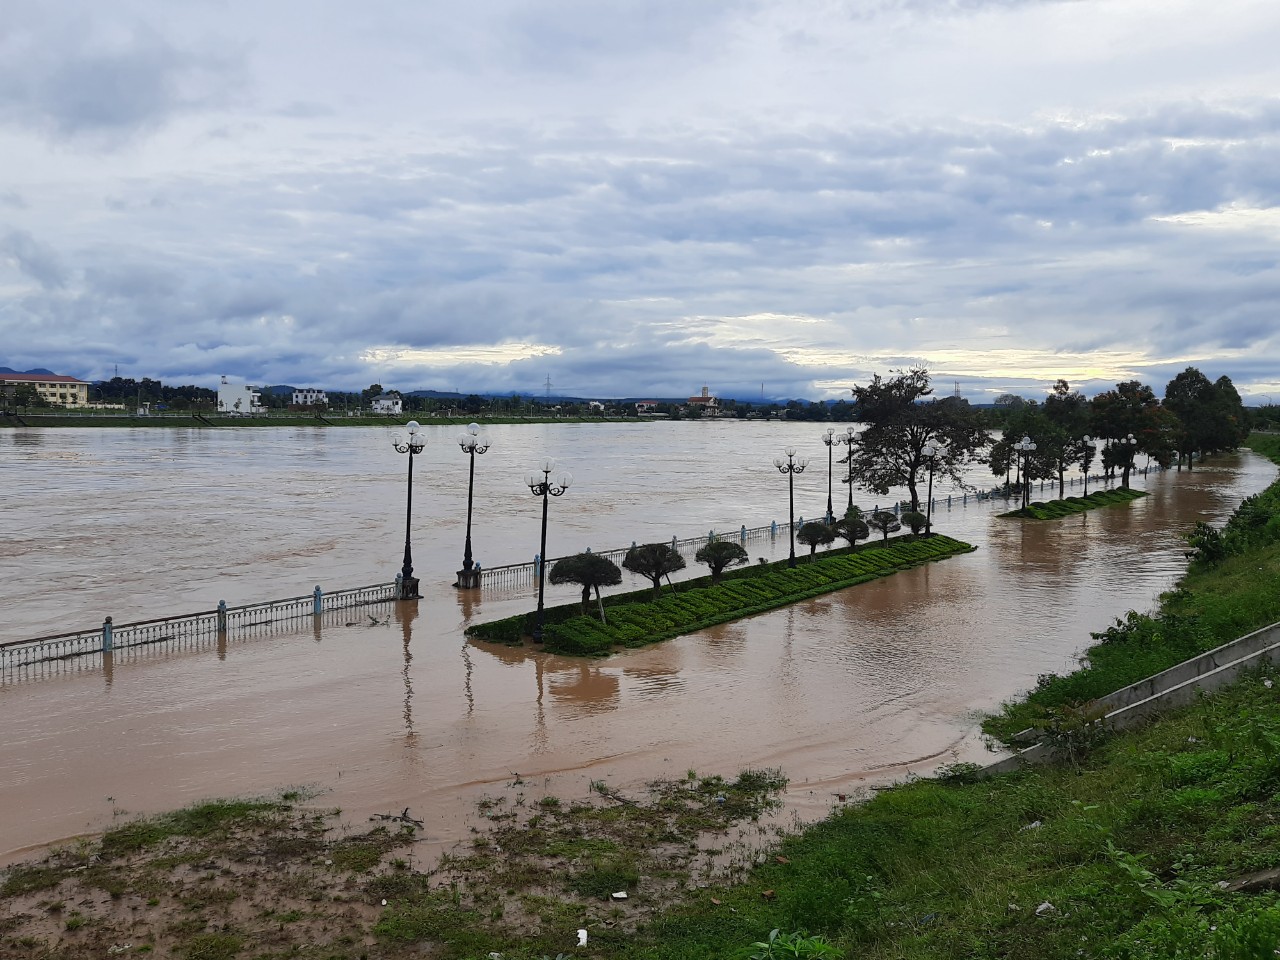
(854, 688)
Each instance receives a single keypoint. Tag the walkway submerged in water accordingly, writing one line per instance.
(634, 620)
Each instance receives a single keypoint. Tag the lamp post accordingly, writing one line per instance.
(932, 450)
(1126, 445)
(472, 443)
(1089, 446)
(543, 486)
(791, 468)
(1025, 447)
(830, 440)
(415, 444)
(848, 440)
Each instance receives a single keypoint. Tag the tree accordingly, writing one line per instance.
(1067, 411)
(914, 519)
(719, 554)
(373, 390)
(890, 451)
(587, 570)
(883, 522)
(1189, 396)
(815, 533)
(852, 527)
(654, 561)
(1131, 408)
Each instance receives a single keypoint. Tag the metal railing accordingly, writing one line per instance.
(206, 626)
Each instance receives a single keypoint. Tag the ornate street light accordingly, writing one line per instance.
(830, 440)
(543, 486)
(849, 439)
(932, 451)
(472, 442)
(791, 468)
(415, 444)
(1025, 447)
(1090, 444)
(1126, 445)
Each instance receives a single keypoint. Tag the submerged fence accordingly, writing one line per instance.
(207, 626)
(515, 575)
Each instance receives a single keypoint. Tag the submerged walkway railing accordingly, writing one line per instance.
(206, 626)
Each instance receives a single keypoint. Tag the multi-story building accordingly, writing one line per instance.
(238, 398)
(55, 390)
(310, 398)
(387, 403)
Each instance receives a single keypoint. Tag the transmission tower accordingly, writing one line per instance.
(548, 386)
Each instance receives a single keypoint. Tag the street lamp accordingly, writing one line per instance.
(1126, 445)
(415, 444)
(848, 440)
(830, 440)
(791, 468)
(543, 486)
(1089, 446)
(472, 442)
(932, 451)
(1025, 447)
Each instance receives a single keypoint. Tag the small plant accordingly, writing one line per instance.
(797, 944)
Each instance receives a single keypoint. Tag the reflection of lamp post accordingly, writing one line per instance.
(932, 450)
(415, 444)
(829, 439)
(471, 443)
(544, 487)
(1089, 447)
(791, 468)
(848, 440)
(1025, 446)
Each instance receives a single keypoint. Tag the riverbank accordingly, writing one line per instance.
(201, 421)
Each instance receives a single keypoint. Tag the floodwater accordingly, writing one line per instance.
(853, 688)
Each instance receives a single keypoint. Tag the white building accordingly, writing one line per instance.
(238, 398)
(310, 398)
(387, 404)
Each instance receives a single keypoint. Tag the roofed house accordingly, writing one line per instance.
(309, 397)
(704, 401)
(55, 390)
(387, 403)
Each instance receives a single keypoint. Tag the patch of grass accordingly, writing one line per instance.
(202, 820)
(1057, 509)
(23, 879)
(213, 946)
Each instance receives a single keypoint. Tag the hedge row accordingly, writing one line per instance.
(637, 623)
(1056, 509)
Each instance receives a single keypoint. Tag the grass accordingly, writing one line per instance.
(636, 619)
(1057, 509)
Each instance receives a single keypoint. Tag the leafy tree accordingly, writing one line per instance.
(588, 570)
(1067, 411)
(1131, 408)
(900, 422)
(815, 533)
(884, 523)
(914, 519)
(852, 527)
(373, 390)
(719, 554)
(654, 561)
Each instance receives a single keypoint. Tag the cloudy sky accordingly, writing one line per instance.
(639, 197)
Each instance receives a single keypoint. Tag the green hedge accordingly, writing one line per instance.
(1055, 509)
(635, 619)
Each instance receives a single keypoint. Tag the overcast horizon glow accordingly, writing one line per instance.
(642, 198)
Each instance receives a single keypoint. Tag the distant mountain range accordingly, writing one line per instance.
(37, 370)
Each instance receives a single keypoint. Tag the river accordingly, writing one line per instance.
(851, 689)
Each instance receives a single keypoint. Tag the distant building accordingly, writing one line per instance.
(53, 389)
(646, 406)
(595, 406)
(310, 398)
(238, 398)
(704, 401)
(387, 403)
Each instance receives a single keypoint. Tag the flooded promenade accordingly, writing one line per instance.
(397, 710)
